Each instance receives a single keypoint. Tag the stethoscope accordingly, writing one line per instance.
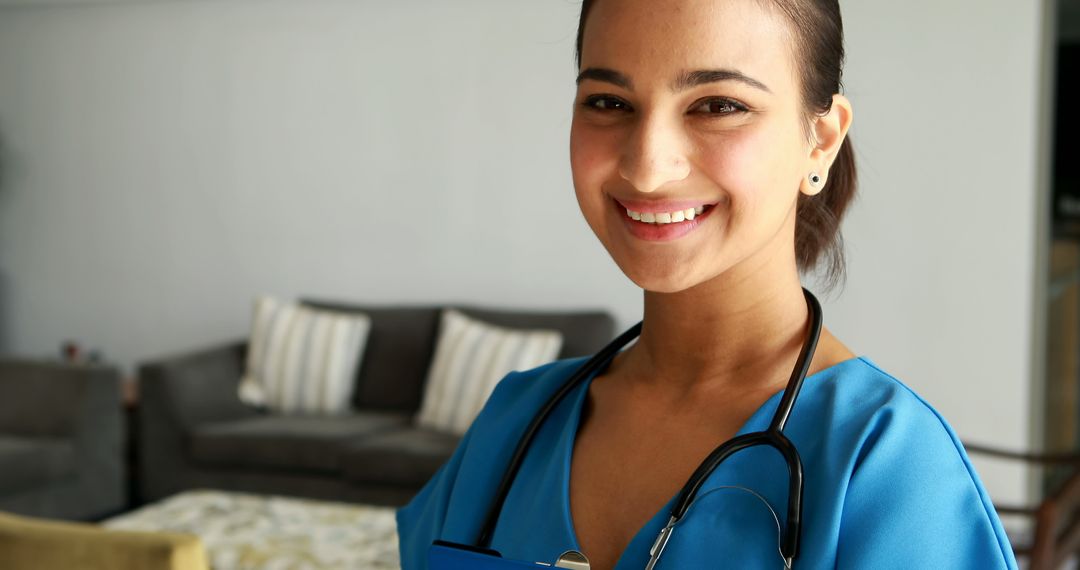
(773, 437)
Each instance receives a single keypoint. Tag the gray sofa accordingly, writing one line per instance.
(193, 431)
(61, 440)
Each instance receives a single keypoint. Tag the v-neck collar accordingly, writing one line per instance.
(646, 535)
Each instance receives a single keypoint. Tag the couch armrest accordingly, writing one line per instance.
(175, 395)
(195, 388)
(52, 399)
(78, 403)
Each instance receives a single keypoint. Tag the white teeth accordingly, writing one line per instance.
(665, 217)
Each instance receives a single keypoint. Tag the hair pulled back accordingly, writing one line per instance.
(818, 33)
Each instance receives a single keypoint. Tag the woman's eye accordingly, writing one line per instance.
(605, 103)
(719, 107)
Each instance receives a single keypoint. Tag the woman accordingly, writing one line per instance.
(710, 157)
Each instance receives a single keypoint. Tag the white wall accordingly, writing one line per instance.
(942, 242)
(164, 162)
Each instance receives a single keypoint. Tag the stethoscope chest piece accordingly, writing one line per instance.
(572, 560)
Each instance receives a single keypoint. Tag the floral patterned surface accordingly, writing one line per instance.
(243, 531)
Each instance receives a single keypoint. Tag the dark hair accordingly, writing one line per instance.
(819, 48)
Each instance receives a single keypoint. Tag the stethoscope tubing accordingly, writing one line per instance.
(597, 360)
(773, 437)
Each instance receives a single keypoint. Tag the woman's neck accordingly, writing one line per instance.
(725, 332)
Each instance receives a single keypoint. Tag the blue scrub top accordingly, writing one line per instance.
(887, 484)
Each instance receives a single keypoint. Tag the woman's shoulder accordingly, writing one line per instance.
(868, 392)
(900, 466)
(871, 409)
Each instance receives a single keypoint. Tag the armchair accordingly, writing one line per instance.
(1056, 518)
(61, 440)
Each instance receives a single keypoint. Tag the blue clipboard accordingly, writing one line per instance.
(449, 556)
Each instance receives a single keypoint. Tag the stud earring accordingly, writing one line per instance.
(815, 179)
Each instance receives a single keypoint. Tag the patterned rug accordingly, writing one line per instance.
(247, 532)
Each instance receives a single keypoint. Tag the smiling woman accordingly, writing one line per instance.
(776, 102)
(710, 158)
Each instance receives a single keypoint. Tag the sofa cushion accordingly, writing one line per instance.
(27, 462)
(399, 349)
(407, 457)
(471, 357)
(584, 332)
(401, 344)
(307, 443)
(302, 360)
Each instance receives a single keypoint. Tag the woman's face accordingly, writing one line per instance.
(689, 106)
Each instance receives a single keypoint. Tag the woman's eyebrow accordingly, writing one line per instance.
(607, 76)
(684, 81)
(704, 76)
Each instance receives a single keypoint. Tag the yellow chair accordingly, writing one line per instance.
(35, 544)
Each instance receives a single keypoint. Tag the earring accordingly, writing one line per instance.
(815, 179)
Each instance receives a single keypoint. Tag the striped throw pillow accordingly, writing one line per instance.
(302, 360)
(471, 357)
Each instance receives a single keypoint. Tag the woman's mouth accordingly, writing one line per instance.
(662, 221)
(665, 217)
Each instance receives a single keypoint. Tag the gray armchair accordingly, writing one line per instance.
(195, 432)
(61, 440)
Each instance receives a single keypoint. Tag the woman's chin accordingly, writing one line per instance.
(660, 279)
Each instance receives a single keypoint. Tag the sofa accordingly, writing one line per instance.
(62, 440)
(194, 432)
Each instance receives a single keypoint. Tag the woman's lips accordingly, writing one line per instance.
(665, 231)
(661, 206)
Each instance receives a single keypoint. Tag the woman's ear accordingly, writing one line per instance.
(829, 130)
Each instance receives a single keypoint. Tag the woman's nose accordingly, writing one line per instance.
(653, 156)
